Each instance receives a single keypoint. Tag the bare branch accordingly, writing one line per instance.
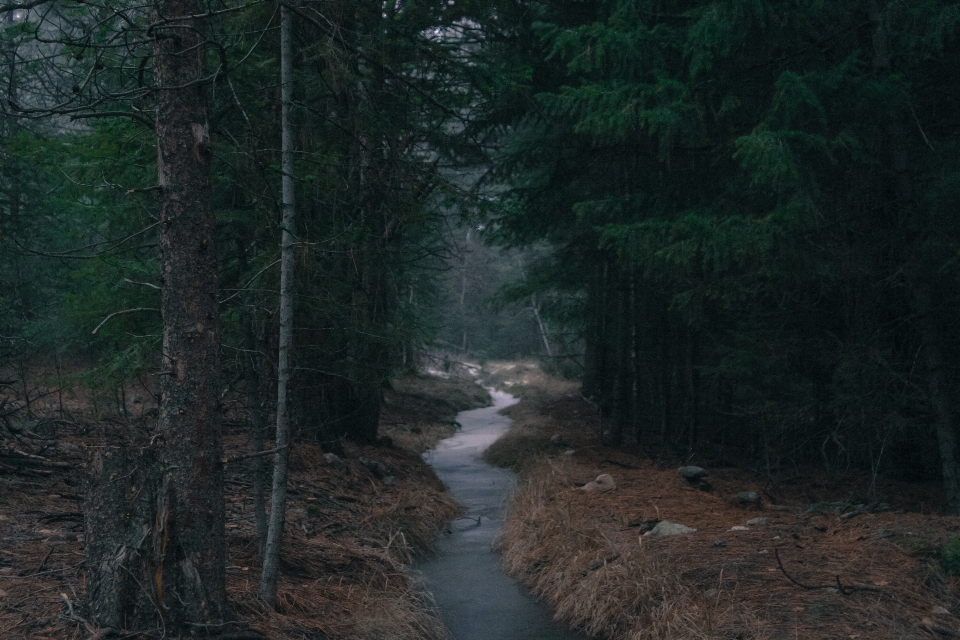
(146, 284)
(120, 313)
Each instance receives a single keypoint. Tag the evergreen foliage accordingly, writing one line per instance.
(736, 218)
(757, 197)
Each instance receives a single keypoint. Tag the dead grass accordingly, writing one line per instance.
(349, 536)
(419, 411)
(524, 378)
(525, 440)
(872, 575)
(596, 583)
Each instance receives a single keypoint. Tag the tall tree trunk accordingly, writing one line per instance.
(636, 305)
(253, 384)
(278, 499)
(621, 394)
(258, 424)
(692, 375)
(189, 535)
(666, 377)
(535, 307)
(156, 553)
(596, 350)
(943, 407)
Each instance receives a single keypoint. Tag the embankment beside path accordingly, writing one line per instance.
(814, 564)
(353, 523)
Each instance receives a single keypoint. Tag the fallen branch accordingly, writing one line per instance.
(845, 590)
(19, 455)
(256, 454)
(42, 573)
(73, 617)
(936, 627)
(45, 558)
(622, 465)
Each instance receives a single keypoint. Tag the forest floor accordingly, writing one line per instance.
(822, 561)
(350, 532)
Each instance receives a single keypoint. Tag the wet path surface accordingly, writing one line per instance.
(477, 600)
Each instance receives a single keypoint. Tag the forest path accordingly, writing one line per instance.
(476, 599)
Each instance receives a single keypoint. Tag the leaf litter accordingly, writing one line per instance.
(349, 538)
(818, 566)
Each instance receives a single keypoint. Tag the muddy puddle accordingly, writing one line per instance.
(477, 601)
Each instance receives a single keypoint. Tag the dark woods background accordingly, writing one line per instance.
(735, 221)
(752, 208)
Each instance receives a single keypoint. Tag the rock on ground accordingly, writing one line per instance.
(692, 472)
(336, 462)
(603, 483)
(666, 528)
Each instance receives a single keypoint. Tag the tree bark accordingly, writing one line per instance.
(189, 534)
(278, 499)
(943, 407)
(155, 521)
(258, 424)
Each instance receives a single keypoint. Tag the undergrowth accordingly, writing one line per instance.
(608, 590)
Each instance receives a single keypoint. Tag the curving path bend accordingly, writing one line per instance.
(477, 601)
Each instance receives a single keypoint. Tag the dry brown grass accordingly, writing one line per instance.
(583, 553)
(525, 378)
(349, 536)
(349, 539)
(606, 587)
(524, 441)
(419, 411)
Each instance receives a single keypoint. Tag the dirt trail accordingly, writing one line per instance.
(817, 564)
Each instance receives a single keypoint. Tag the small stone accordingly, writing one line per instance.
(939, 611)
(832, 590)
(569, 452)
(389, 480)
(603, 483)
(709, 593)
(758, 522)
(692, 472)
(377, 468)
(335, 462)
(666, 528)
(739, 527)
(719, 542)
(557, 440)
(748, 496)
